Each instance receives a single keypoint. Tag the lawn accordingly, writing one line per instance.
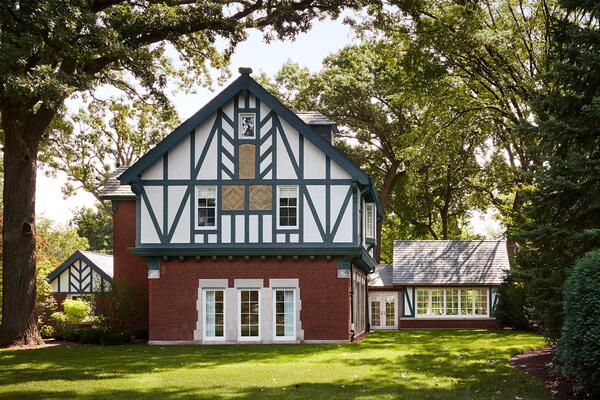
(439, 364)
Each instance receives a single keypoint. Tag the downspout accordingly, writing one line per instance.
(352, 333)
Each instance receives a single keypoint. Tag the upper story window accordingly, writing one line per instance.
(207, 206)
(247, 126)
(288, 206)
(370, 220)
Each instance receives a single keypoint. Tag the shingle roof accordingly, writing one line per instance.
(113, 188)
(448, 262)
(102, 261)
(313, 118)
(382, 276)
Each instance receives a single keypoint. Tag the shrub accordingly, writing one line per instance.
(76, 311)
(47, 331)
(579, 346)
(91, 336)
(62, 327)
(115, 338)
(118, 307)
(511, 308)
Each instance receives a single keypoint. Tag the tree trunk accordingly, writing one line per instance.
(389, 184)
(22, 137)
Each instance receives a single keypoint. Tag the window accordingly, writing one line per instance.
(247, 126)
(466, 301)
(249, 313)
(214, 313)
(285, 319)
(422, 301)
(480, 301)
(452, 302)
(288, 206)
(370, 220)
(437, 302)
(207, 206)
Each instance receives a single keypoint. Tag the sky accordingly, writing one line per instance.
(308, 49)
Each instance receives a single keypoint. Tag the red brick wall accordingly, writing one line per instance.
(127, 267)
(447, 323)
(325, 297)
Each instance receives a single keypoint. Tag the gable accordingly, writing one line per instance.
(275, 119)
(82, 272)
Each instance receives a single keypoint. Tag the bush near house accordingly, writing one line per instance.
(579, 346)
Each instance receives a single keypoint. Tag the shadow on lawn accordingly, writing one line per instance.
(333, 390)
(96, 362)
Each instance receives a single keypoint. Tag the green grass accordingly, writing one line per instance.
(445, 364)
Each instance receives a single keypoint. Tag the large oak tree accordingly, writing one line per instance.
(53, 49)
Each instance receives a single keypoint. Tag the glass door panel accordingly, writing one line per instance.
(375, 311)
(390, 310)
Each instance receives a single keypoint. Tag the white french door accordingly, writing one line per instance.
(383, 310)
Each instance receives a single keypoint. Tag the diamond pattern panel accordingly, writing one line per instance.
(233, 197)
(261, 197)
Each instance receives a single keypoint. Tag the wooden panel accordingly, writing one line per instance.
(233, 197)
(247, 161)
(261, 197)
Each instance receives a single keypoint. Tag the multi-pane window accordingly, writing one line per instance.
(207, 206)
(480, 301)
(375, 311)
(247, 126)
(284, 313)
(249, 313)
(288, 206)
(422, 301)
(214, 313)
(370, 220)
(437, 301)
(452, 302)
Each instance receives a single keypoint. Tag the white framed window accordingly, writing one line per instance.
(206, 207)
(247, 126)
(370, 220)
(249, 314)
(284, 314)
(287, 207)
(452, 302)
(214, 314)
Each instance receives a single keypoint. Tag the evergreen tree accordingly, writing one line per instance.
(561, 217)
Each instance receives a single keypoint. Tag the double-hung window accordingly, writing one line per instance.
(370, 220)
(288, 206)
(214, 314)
(207, 206)
(284, 314)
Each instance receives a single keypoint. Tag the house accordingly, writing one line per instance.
(81, 275)
(246, 225)
(438, 284)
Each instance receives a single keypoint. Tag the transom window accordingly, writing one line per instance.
(370, 220)
(288, 206)
(249, 313)
(285, 320)
(207, 206)
(214, 313)
(452, 302)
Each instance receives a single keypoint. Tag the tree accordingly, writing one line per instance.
(54, 49)
(104, 135)
(499, 50)
(96, 226)
(416, 133)
(561, 218)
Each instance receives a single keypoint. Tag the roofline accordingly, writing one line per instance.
(449, 240)
(421, 284)
(246, 82)
(69, 261)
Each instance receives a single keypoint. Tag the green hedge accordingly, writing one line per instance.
(579, 346)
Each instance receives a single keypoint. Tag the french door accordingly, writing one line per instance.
(383, 310)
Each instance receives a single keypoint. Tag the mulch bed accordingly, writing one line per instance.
(538, 363)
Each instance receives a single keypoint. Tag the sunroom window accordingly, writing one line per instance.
(452, 302)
